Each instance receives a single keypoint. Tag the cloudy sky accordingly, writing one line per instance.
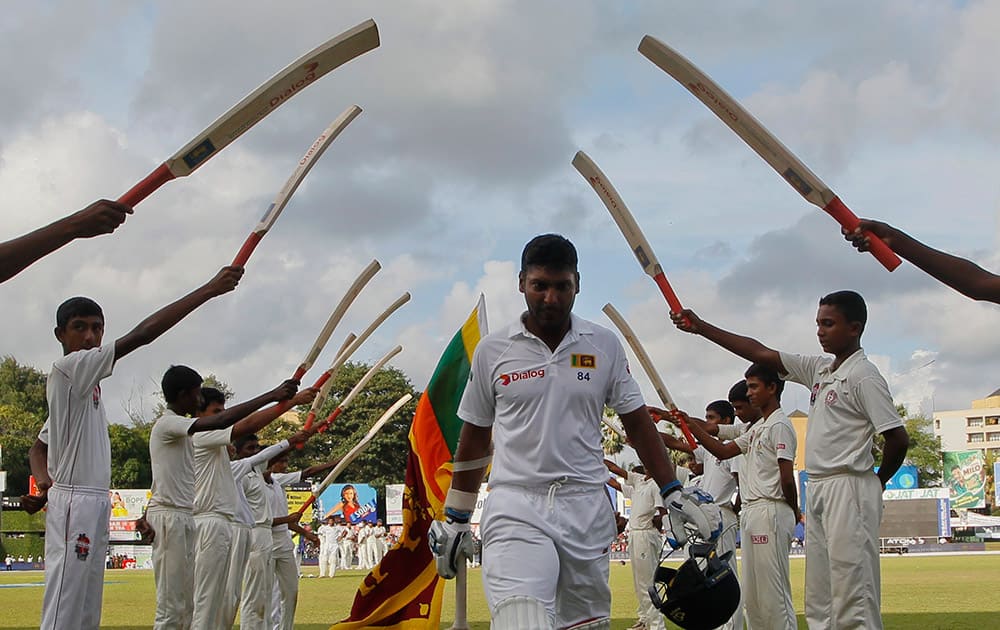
(472, 114)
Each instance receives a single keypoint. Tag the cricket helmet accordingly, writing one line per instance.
(701, 594)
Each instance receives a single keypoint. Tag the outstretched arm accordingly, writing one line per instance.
(260, 419)
(722, 450)
(319, 468)
(615, 469)
(644, 438)
(100, 217)
(963, 275)
(167, 317)
(746, 347)
(234, 414)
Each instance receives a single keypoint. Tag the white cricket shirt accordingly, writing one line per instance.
(241, 468)
(716, 477)
(766, 442)
(279, 502)
(214, 487)
(545, 407)
(171, 454)
(645, 497)
(76, 431)
(328, 535)
(847, 407)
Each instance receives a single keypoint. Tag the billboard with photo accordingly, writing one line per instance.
(356, 502)
(126, 506)
(965, 475)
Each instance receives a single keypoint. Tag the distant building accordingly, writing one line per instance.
(977, 428)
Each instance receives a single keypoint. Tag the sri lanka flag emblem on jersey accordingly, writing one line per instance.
(584, 361)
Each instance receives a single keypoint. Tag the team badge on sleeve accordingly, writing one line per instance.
(584, 361)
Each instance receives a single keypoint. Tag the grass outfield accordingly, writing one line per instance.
(919, 592)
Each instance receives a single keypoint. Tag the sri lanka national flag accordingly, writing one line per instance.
(404, 590)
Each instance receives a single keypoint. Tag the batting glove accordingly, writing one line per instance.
(690, 506)
(451, 542)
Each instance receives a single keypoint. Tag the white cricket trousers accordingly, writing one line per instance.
(238, 554)
(258, 585)
(76, 541)
(843, 582)
(549, 543)
(327, 559)
(644, 555)
(173, 567)
(214, 535)
(727, 542)
(766, 538)
(346, 555)
(286, 586)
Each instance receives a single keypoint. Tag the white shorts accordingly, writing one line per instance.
(76, 541)
(551, 545)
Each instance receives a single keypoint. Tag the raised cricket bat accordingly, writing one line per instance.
(350, 348)
(326, 385)
(760, 140)
(291, 185)
(628, 226)
(358, 387)
(354, 452)
(647, 365)
(338, 313)
(255, 106)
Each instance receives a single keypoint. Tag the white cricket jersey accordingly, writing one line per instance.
(645, 497)
(258, 496)
(76, 431)
(328, 535)
(716, 477)
(847, 407)
(171, 454)
(279, 500)
(242, 467)
(766, 442)
(545, 407)
(214, 487)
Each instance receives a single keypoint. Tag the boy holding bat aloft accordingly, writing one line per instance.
(850, 403)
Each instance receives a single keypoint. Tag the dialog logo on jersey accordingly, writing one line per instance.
(507, 379)
(583, 361)
(82, 546)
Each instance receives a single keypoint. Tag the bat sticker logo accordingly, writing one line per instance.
(797, 182)
(199, 154)
(640, 253)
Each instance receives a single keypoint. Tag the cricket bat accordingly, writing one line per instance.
(647, 365)
(358, 387)
(255, 106)
(629, 228)
(349, 349)
(760, 140)
(354, 452)
(291, 185)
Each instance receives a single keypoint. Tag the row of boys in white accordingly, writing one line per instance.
(212, 518)
(337, 547)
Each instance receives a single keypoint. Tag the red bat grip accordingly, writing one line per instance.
(248, 246)
(668, 292)
(686, 430)
(849, 221)
(305, 506)
(145, 188)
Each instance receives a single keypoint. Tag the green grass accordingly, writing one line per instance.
(918, 592)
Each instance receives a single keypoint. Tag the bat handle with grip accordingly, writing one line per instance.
(849, 221)
(145, 188)
(329, 420)
(461, 597)
(668, 292)
(305, 506)
(248, 246)
(686, 430)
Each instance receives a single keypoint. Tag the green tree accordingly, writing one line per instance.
(924, 451)
(23, 409)
(385, 459)
(612, 443)
(130, 463)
